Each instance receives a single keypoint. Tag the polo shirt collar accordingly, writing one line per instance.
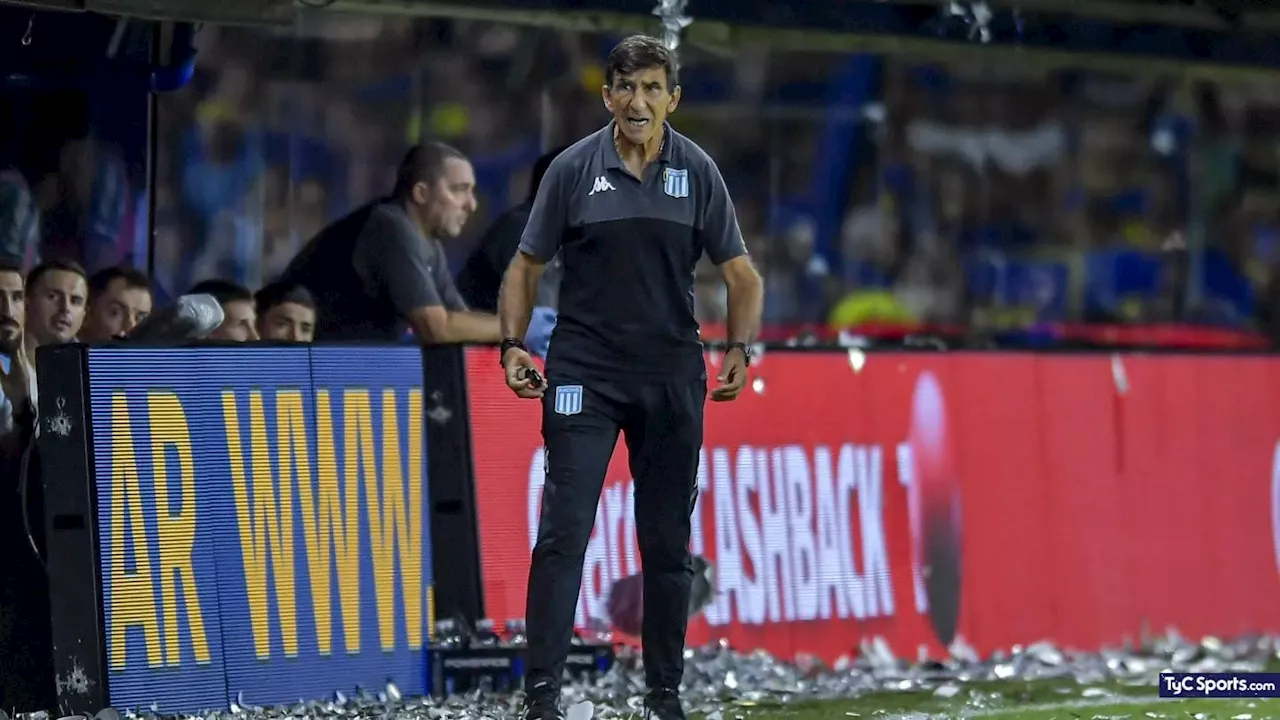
(612, 160)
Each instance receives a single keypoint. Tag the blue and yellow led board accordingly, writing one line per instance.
(263, 522)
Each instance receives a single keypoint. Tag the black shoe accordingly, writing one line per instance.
(663, 704)
(542, 702)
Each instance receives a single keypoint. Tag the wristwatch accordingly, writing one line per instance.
(745, 348)
(507, 344)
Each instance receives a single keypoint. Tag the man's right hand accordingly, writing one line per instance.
(517, 363)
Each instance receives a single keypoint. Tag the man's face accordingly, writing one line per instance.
(238, 323)
(55, 307)
(446, 205)
(640, 103)
(12, 312)
(288, 321)
(116, 311)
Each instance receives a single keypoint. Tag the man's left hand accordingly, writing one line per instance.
(14, 383)
(733, 376)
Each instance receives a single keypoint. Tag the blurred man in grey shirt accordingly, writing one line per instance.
(382, 268)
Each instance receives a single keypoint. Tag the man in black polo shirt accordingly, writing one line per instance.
(382, 268)
(630, 208)
(481, 276)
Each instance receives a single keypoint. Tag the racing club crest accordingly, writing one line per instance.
(675, 183)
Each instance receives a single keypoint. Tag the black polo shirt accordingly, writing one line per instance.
(480, 278)
(629, 247)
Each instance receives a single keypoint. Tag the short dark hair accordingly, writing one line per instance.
(224, 291)
(133, 278)
(11, 263)
(49, 266)
(279, 293)
(641, 52)
(424, 163)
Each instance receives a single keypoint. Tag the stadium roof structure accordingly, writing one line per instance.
(1207, 14)
(1213, 37)
(1225, 15)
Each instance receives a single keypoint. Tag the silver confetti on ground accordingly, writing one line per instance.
(726, 684)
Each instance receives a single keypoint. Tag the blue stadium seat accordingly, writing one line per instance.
(1119, 274)
(1224, 283)
(1042, 286)
(982, 274)
(1036, 289)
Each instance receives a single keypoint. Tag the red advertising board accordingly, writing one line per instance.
(1005, 498)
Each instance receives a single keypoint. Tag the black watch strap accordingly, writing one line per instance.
(745, 348)
(507, 344)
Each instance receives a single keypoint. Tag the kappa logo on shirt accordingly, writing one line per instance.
(602, 184)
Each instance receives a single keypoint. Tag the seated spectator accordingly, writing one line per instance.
(86, 203)
(223, 163)
(869, 306)
(57, 292)
(19, 216)
(240, 316)
(16, 399)
(286, 312)
(119, 299)
(26, 664)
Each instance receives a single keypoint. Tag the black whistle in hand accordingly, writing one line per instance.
(534, 378)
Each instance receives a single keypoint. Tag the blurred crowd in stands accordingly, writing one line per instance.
(870, 189)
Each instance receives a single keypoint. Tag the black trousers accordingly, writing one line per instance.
(662, 424)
